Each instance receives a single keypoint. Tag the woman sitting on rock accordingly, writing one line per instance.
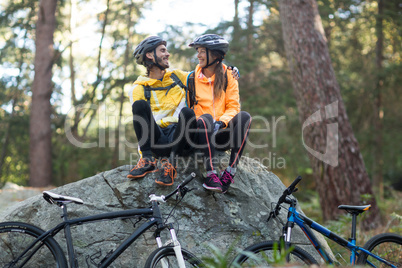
(217, 94)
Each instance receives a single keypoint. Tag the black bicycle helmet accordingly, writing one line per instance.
(147, 45)
(212, 42)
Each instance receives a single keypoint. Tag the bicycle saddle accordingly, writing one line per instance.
(355, 209)
(53, 198)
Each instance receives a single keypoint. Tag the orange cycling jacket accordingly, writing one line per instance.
(222, 109)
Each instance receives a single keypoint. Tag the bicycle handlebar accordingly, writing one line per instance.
(181, 185)
(294, 183)
(187, 180)
(162, 198)
(288, 191)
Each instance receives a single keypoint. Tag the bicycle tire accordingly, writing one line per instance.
(388, 246)
(269, 252)
(167, 253)
(15, 237)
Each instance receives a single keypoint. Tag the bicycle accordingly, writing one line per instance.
(25, 245)
(382, 250)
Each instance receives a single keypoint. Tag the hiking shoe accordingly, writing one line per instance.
(213, 183)
(143, 167)
(169, 173)
(226, 179)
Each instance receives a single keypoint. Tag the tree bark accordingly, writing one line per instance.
(72, 171)
(236, 47)
(337, 163)
(378, 109)
(122, 98)
(40, 129)
(250, 29)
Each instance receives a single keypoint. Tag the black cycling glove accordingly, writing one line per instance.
(218, 125)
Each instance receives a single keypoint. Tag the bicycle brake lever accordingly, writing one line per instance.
(272, 215)
(183, 191)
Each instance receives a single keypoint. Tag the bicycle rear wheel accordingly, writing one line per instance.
(16, 237)
(168, 255)
(268, 253)
(387, 246)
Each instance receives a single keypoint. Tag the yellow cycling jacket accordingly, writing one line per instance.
(165, 107)
(222, 109)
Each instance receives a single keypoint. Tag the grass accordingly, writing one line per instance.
(219, 259)
(391, 213)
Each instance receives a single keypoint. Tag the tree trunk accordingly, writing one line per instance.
(378, 110)
(236, 16)
(250, 29)
(338, 166)
(236, 47)
(40, 132)
(118, 138)
(72, 171)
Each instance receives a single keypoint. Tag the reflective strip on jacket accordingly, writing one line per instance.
(165, 108)
(222, 109)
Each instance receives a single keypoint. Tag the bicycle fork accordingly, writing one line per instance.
(287, 228)
(176, 247)
(287, 234)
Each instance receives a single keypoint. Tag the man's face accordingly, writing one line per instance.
(202, 56)
(162, 56)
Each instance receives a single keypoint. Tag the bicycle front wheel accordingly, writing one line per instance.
(166, 257)
(269, 253)
(18, 237)
(387, 246)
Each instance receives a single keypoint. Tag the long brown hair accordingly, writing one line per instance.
(220, 78)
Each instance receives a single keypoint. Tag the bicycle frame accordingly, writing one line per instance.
(153, 215)
(67, 223)
(295, 217)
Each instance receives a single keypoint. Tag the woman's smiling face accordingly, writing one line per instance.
(202, 56)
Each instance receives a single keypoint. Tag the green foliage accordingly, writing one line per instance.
(219, 259)
(16, 162)
(278, 258)
(397, 228)
(391, 211)
(256, 49)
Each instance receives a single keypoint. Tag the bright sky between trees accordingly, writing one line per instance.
(178, 12)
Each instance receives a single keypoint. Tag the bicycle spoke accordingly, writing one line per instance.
(389, 251)
(17, 248)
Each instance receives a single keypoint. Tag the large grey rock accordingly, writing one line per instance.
(202, 218)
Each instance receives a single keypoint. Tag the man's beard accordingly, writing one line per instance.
(161, 63)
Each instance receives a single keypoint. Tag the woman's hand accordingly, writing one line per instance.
(218, 125)
(235, 72)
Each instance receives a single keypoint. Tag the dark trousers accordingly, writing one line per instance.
(178, 138)
(233, 137)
